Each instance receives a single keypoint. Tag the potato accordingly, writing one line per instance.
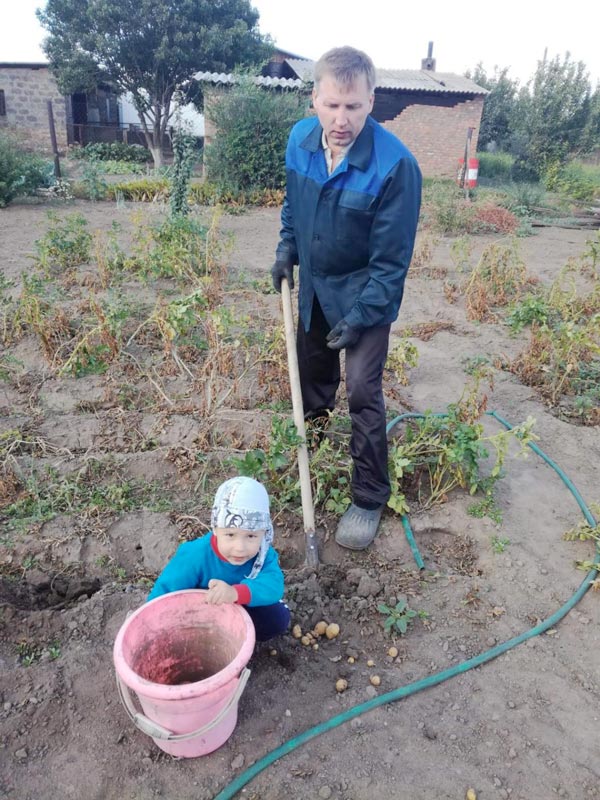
(320, 628)
(315, 646)
(296, 631)
(370, 663)
(272, 652)
(332, 630)
(351, 660)
(393, 652)
(305, 640)
(470, 795)
(341, 685)
(375, 680)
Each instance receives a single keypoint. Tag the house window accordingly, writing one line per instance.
(2, 104)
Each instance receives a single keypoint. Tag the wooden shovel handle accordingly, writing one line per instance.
(308, 514)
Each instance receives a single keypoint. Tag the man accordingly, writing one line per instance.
(349, 220)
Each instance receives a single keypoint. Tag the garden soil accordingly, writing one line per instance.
(523, 726)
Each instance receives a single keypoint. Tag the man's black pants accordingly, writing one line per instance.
(320, 377)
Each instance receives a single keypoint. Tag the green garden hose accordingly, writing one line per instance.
(425, 683)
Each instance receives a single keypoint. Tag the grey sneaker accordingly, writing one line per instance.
(358, 527)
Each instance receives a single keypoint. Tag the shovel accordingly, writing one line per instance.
(308, 514)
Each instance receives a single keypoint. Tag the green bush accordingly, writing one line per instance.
(252, 126)
(113, 151)
(495, 165)
(576, 180)
(21, 173)
(523, 198)
(445, 208)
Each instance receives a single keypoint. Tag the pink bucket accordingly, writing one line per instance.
(186, 661)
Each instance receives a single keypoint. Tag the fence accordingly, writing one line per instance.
(130, 134)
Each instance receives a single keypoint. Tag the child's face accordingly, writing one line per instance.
(238, 545)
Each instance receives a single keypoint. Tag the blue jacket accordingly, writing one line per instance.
(351, 232)
(195, 563)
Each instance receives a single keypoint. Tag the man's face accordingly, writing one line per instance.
(342, 110)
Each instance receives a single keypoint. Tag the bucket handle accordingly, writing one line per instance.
(157, 731)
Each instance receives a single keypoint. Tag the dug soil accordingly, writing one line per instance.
(522, 726)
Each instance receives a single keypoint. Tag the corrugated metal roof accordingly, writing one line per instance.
(228, 79)
(408, 80)
(404, 80)
(425, 80)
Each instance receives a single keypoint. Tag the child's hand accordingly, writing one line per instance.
(220, 592)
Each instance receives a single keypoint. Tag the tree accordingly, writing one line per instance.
(149, 48)
(252, 127)
(498, 107)
(554, 113)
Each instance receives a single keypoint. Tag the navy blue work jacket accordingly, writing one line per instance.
(351, 232)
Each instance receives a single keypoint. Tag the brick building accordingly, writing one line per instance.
(24, 92)
(25, 89)
(430, 111)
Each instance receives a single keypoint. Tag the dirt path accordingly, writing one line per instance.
(524, 726)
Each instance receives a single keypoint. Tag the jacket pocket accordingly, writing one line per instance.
(355, 214)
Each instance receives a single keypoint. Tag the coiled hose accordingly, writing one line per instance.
(439, 677)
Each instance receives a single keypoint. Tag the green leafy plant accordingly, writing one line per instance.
(66, 244)
(488, 507)
(398, 618)
(584, 531)
(533, 308)
(441, 452)
(21, 173)
(404, 354)
(184, 159)
(28, 653)
(252, 126)
(112, 151)
(499, 544)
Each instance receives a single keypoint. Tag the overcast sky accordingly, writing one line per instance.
(509, 33)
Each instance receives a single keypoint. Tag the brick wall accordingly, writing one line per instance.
(436, 135)
(26, 91)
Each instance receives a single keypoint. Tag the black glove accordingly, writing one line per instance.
(280, 270)
(342, 335)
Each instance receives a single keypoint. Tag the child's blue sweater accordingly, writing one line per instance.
(196, 563)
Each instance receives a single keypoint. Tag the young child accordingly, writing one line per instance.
(235, 561)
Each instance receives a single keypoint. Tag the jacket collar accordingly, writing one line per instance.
(360, 152)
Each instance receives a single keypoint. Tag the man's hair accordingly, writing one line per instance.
(345, 65)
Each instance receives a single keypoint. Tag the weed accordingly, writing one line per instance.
(179, 247)
(398, 618)
(488, 507)
(533, 308)
(475, 365)
(99, 343)
(438, 453)
(28, 652)
(499, 278)
(275, 465)
(423, 256)
(54, 650)
(499, 544)
(66, 244)
(461, 250)
(109, 256)
(44, 497)
(585, 532)
(95, 186)
(404, 354)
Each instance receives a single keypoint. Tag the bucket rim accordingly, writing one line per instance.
(164, 691)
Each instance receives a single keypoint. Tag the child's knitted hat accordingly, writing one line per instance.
(244, 503)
